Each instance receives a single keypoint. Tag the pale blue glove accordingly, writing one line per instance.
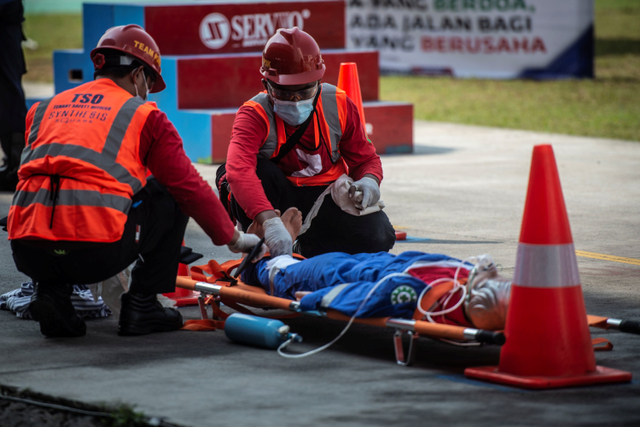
(277, 237)
(245, 243)
(365, 192)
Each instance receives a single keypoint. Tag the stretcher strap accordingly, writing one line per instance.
(597, 321)
(601, 344)
(218, 274)
(203, 325)
(215, 307)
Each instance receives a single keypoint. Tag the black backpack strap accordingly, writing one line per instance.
(293, 140)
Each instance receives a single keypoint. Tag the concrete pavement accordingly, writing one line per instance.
(462, 193)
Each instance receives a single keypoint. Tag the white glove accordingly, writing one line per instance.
(245, 243)
(365, 192)
(277, 237)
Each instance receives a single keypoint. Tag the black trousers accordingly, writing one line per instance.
(332, 230)
(12, 103)
(154, 215)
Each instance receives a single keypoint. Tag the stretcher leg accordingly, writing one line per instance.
(203, 307)
(399, 348)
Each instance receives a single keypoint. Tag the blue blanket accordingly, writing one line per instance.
(341, 282)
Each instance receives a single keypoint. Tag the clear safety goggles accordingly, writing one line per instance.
(298, 95)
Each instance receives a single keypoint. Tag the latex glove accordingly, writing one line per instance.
(245, 243)
(277, 237)
(365, 192)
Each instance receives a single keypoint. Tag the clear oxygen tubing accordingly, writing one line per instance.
(457, 287)
(346, 328)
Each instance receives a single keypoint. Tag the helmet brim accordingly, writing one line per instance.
(294, 79)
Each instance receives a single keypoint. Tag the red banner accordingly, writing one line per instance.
(241, 27)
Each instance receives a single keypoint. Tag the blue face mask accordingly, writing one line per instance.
(293, 113)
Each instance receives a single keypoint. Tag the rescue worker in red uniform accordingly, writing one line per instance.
(84, 208)
(292, 141)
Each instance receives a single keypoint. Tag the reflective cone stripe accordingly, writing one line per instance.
(546, 266)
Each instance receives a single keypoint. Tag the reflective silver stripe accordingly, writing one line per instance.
(470, 333)
(104, 160)
(404, 324)
(119, 127)
(271, 142)
(546, 266)
(614, 323)
(330, 109)
(331, 116)
(73, 198)
(332, 294)
(116, 170)
(37, 119)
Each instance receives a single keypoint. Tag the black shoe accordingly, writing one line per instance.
(142, 314)
(51, 307)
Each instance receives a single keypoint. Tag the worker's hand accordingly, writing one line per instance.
(246, 242)
(277, 237)
(365, 192)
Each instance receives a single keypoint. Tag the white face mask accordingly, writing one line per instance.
(293, 113)
(144, 78)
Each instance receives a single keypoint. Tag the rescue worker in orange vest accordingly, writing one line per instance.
(85, 209)
(290, 143)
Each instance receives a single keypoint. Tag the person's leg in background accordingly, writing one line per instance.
(153, 236)
(13, 110)
(156, 229)
(334, 230)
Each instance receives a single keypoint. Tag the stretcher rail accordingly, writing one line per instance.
(628, 326)
(434, 330)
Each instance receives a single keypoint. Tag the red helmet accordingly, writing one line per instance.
(292, 57)
(135, 41)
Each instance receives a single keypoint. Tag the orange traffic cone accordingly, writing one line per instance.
(349, 82)
(183, 297)
(548, 341)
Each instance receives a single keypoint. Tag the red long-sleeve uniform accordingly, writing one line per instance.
(162, 152)
(250, 130)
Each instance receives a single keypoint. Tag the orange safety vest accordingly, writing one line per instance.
(80, 167)
(331, 113)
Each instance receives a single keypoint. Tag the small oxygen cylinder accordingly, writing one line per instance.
(257, 331)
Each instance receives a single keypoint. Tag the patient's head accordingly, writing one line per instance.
(488, 295)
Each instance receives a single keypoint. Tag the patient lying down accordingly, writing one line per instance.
(449, 290)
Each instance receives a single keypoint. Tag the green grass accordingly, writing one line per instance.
(51, 32)
(602, 108)
(607, 106)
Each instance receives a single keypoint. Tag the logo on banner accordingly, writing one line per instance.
(215, 30)
(247, 30)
